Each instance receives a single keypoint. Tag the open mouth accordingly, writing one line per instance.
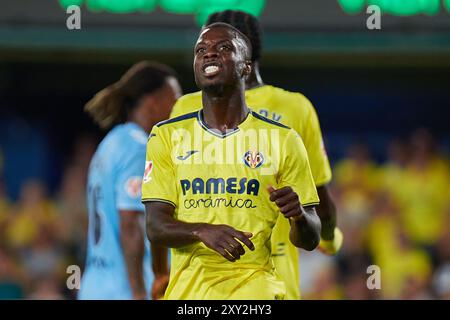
(211, 68)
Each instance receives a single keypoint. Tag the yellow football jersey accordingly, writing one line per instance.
(295, 111)
(289, 108)
(222, 179)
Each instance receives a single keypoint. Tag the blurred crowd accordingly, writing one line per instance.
(394, 215)
(42, 234)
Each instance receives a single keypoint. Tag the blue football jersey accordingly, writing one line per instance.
(114, 183)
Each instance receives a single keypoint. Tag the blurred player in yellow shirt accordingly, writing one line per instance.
(217, 179)
(424, 191)
(400, 261)
(357, 181)
(34, 211)
(297, 112)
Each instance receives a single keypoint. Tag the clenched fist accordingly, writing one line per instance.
(287, 201)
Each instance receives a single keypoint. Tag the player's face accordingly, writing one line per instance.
(219, 60)
(165, 99)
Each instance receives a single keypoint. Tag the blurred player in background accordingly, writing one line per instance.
(118, 254)
(189, 208)
(296, 111)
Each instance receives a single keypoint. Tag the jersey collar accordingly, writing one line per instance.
(218, 133)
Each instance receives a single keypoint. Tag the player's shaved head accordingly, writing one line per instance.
(225, 49)
(245, 23)
(246, 45)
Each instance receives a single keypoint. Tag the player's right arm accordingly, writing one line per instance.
(160, 196)
(164, 230)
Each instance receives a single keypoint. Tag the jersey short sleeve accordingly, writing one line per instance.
(295, 171)
(186, 104)
(129, 181)
(159, 182)
(178, 108)
(311, 134)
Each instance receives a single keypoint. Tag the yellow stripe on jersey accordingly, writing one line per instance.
(222, 179)
(295, 111)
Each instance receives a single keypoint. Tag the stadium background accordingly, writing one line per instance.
(382, 97)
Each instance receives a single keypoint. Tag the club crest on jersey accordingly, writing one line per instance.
(253, 159)
(148, 171)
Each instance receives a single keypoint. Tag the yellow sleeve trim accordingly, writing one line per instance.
(311, 204)
(158, 200)
(331, 247)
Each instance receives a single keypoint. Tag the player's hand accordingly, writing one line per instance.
(159, 286)
(287, 201)
(224, 240)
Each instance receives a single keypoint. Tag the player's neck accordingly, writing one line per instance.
(142, 121)
(254, 80)
(143, 126)
(226, 111)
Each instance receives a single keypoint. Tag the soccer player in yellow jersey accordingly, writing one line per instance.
(217, 179)
(296, 111)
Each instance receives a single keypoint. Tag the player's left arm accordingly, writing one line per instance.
(327, 213)
(305, 223)
(297, 196)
